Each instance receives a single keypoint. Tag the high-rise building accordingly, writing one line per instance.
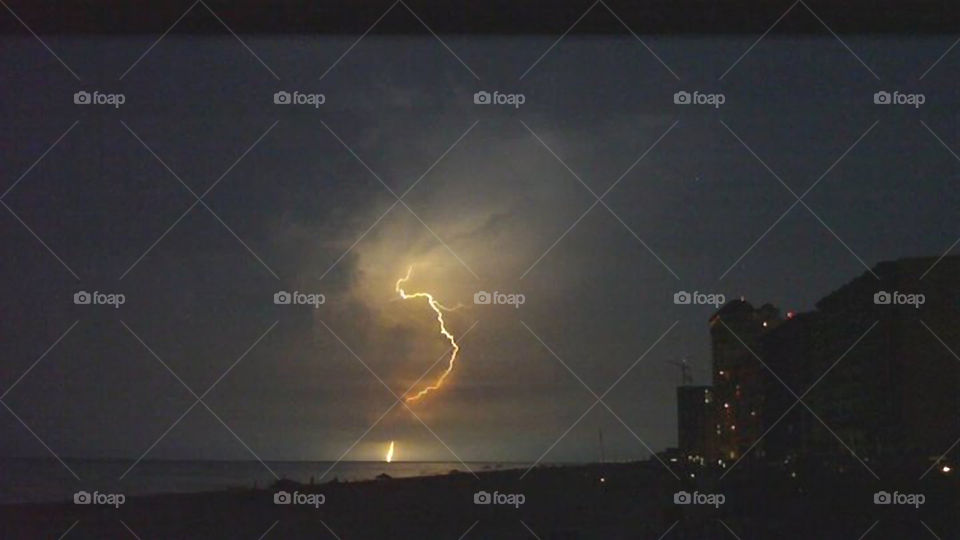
(738, 376)
(894, 396)
(788, 351)
(696, 420)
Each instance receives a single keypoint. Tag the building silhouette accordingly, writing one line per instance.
(788, 351)
(738, 377)
(894, 397)
(696, 416)
(872, 374)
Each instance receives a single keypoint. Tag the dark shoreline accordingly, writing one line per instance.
(633, 500)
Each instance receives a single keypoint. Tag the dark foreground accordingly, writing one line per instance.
(632, 501)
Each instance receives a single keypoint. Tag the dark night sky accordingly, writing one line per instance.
(499, 200)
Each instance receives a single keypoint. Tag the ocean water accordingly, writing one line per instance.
(47, 480)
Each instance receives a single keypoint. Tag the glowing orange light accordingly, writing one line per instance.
(390, 453)
(437, 308)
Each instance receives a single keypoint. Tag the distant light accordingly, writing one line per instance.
(602, 479)
(764, 324)
(791, 314)
(733, 427)
(721, 372)
(692, 475)
(726, 405)
(945, 469)
(793, 474)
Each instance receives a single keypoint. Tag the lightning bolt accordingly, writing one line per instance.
(437, 308)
